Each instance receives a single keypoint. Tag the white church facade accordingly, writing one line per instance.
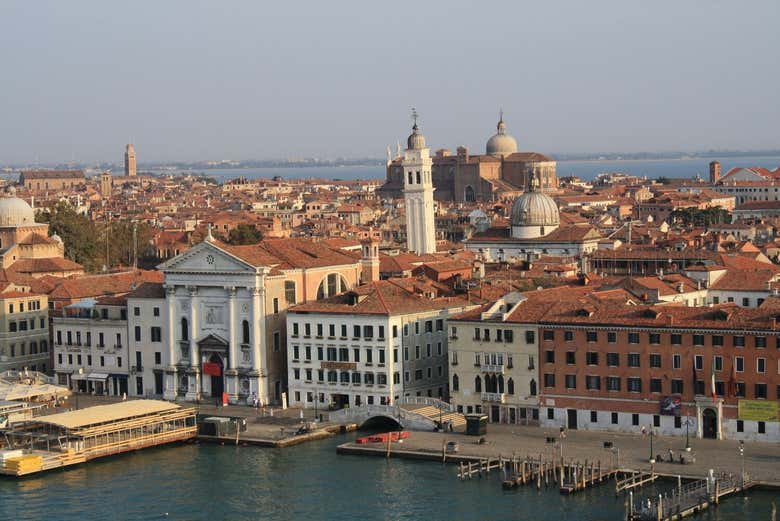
(225, 309)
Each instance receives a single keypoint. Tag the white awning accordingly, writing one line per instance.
(77, 376)
(97, 376)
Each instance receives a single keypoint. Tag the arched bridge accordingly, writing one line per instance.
(412, 413)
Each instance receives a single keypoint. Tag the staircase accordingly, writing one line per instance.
(437, 414)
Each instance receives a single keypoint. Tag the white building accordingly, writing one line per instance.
(90, 346)
(418, 194)
(371, 345)
(226, 308)
(147, 322)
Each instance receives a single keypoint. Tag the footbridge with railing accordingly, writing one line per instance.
(413, 413)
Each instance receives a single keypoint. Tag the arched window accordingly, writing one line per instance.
(455, 383)
(245, 332)
(477, 384)
(332, 285)
(469, 195)
(533, 387)
(500, 383)
(510, 386)
(185, 329)
(44, 346)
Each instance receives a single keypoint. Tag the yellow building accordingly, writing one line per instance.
(24, 330)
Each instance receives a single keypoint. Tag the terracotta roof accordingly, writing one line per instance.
(45, 265)
(148, 290)
(382, 297)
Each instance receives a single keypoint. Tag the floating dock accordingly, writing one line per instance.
(69, 438)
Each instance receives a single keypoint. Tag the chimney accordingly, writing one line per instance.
(680, 287)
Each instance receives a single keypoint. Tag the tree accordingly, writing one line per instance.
(77, 232)
(244, 234)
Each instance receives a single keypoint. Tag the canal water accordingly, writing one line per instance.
(307, 482)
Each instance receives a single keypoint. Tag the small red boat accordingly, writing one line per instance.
(383, 437)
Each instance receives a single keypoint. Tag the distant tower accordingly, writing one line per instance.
(369, 261)
(714, 172)
(106, 184)
(418, 193)
(130, 160)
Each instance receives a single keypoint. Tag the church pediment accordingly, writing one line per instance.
(206, 257)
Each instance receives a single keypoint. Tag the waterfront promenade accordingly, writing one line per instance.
(762, 460)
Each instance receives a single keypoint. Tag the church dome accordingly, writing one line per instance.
(15, 212)
(535, 209)
(415, 141)
(501, 143)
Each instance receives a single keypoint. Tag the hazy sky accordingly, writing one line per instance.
(188, 80)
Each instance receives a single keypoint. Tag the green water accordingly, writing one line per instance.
(207, 482)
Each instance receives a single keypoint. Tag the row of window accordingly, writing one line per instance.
(676, 386)
(759, 342)
(22, 350)
(366, 332)
(23, 325)
(383, 400)
(155, 334)
(353, 377)
(678, 423)
(655, 361)
(137, 311)
(493, 384)
(32, 305)
(69, 337)
(342, 354)
(80, 359)
(499, 335)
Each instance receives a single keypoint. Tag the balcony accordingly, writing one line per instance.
(492, 368)
(494, 397)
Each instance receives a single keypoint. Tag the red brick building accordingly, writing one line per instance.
(607, 363)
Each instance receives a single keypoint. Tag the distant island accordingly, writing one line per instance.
(305, 162)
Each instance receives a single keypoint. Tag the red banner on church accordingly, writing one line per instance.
(212, 369)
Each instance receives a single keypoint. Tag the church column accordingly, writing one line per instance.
(193, 388)
(194, 351)
(257, 332)
(231, 375)
(171, 385)
(233, 352)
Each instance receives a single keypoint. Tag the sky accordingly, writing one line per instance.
(190, 80)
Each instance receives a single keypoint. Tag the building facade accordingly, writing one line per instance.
(493, 362)
(371, 345)
(24, 330)
(90, 346)
(226, 308)
(672, 369)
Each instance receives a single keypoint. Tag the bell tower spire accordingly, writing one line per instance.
(418, 193)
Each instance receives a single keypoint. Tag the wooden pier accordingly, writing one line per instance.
(547, 470)
(688, 499)
(634, 480)
(69, 438)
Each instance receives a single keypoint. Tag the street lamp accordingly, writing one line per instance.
(80, 372)
(687, 438)
(652, 458)
(742, 457)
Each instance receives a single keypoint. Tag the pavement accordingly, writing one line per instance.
(762, 460)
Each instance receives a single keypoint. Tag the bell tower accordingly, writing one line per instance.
(418, 193)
